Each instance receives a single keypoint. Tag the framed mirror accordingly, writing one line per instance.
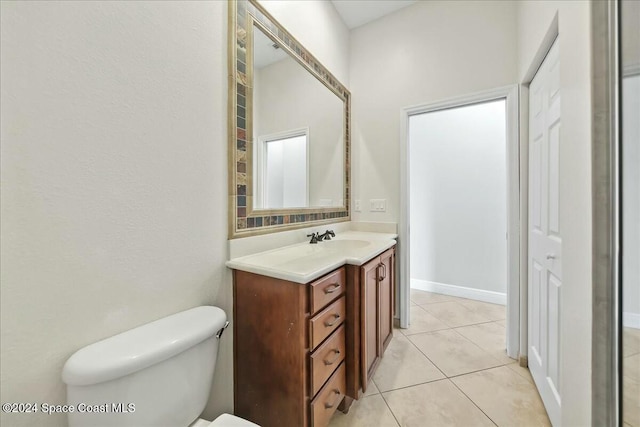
(289, 135)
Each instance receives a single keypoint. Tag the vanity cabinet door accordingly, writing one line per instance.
(369, 315)
(377, 281)
(387, 293)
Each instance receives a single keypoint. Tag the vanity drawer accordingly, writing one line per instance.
(326, 358)
(328, 399)
(327, 321)
(327, 289)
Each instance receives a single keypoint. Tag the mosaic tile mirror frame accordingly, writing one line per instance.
(244, 219)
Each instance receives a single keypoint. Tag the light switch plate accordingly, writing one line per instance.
(356, 205)
(378, 205)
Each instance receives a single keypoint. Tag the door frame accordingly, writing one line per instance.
(510, 94)
(606, 192)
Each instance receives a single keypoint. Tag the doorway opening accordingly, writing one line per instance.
(461, 201)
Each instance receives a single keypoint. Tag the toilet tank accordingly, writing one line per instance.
(158, 374)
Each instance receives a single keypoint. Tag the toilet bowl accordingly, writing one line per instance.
(224, 420)
(158, 374)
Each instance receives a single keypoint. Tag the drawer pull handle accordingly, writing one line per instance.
(331, 289)
(382, 274)
(331, 405)
(335, 359)
(329, 324)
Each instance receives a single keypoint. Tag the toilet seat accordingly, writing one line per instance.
(224, 420)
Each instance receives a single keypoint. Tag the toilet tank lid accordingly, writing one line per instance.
(142, 347)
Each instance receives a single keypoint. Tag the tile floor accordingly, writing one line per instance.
(448, 369)
(631, 377)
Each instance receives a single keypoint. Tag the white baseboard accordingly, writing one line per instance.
(631, 320)
(460, 291)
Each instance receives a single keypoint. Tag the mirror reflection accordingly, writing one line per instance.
(630, 177)
(298, 133)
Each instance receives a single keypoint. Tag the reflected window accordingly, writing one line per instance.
(284, 177)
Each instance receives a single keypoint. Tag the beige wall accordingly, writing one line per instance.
(318, 27)
(114, 196)
(534, 20)
(426, 52)
(113, 180)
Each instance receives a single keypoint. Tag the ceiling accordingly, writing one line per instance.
(265, 50)
(355, 13)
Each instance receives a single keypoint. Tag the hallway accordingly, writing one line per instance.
(448, 369)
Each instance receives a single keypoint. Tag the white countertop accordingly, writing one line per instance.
(305, 262)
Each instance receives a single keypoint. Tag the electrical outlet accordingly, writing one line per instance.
(357, 206)
(377, 205)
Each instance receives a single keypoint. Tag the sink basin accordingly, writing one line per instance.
(344, 244)
(286, 255)
(304, 262)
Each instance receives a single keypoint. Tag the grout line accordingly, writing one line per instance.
(414, 385)
(482, 349)
(446, 377)
(429, 382)
(436, 302)
(474, 403)
(423, 332)
(528, 378)
(376, 386)
(481, 323)
(427, 357)
(479, 370)
(449, 378)
(424, 382)
(390, 410)
(459, 326)
(467, 339)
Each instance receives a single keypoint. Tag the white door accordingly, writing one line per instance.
(545, 236)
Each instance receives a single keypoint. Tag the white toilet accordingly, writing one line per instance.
(158, 374)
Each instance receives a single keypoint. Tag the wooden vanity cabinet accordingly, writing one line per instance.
(301, 350)
(371, 297)
(289, 349)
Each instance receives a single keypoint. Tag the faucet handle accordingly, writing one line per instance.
(327, 235)
(314, 237)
